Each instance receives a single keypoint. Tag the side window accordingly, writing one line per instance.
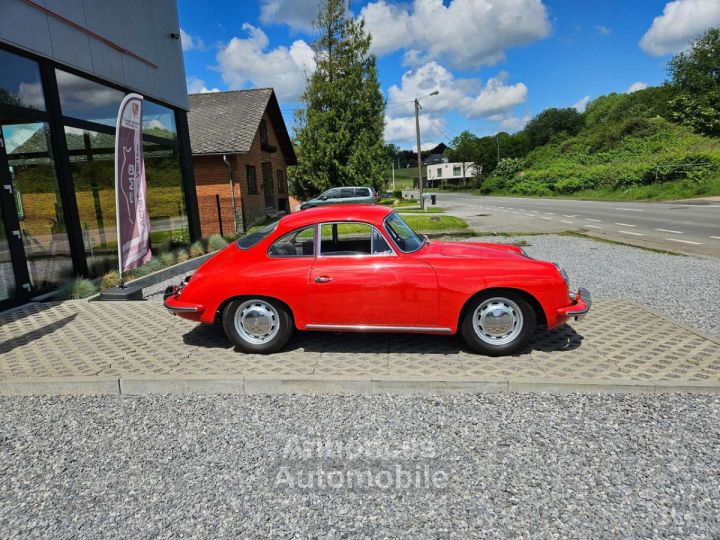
(300, 243)
(362, 192)
(338, 239)
(251, 179)
(331, 193)
(347, 193)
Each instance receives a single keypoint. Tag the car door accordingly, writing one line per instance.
(357, 279)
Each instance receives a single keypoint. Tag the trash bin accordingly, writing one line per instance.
(433, 198)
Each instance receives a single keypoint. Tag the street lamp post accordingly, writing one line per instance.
(419, 153)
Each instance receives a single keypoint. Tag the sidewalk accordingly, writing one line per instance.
(137, 347)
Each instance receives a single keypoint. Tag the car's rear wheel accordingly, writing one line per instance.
(498, 324)
(257, 325)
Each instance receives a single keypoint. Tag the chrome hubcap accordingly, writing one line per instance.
(257, 321)
(498, 321)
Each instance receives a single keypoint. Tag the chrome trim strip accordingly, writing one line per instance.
(181, 309)
(372, 328)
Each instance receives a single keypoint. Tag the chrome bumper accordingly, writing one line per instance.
(586, 303)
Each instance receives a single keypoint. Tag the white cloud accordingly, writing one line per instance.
(297, 14)
(469, 33)
(246, 61)
(196, 85)
(582, 103)
(681, 22)
(511, 123)
(467, 96)
(603, 30)
(401, 131)
(31, 95)
(189, 42)
(634, 87)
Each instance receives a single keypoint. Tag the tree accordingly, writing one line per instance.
(553, 122)
(339, 133)
(464, 148)
(696, 76)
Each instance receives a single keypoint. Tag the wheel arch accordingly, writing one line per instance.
(525, 295)
(224, 303)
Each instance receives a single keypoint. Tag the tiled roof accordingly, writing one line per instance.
(226, 122)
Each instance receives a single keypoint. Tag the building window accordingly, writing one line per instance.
(439, 172)
(251, 179)
(92, 165)
(88, 100)
(282, 185)
(263, 133)
(457, 170)
(20, 82)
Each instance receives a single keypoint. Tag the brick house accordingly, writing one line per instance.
(240, 151)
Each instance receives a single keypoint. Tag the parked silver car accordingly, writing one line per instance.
(342, 195)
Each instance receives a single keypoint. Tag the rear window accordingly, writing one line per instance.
(362, 192)
(252, 239)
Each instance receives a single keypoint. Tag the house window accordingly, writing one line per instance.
(457, 170)
(439, 172)
(251, 179)
(263, 132)
(282, 185)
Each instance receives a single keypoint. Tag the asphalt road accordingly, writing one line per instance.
(679, 227)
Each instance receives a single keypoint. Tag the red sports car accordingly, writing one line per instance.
(361, 268)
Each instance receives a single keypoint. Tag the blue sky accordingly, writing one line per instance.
(496, 63)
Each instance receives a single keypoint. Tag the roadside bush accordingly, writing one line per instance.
(76, 289)
(109, 280)
(183, 255)
(197, 249)
(397, 194)
(167, 259)
(216, 242)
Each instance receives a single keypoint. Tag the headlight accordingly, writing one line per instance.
(564, 275)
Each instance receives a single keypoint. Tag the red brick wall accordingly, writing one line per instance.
(211, 179)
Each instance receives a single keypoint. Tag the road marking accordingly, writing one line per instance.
(684, 241)
(715, 237)
(543, 217)
(566, 221)
(595, 220)
(572, 216)
(633, 233)
(550, 213)
(630, 209)
(624, 224)
(668, 230)
(593, 226)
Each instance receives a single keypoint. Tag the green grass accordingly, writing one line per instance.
(398, 202)
(428, 210)
(429, 223)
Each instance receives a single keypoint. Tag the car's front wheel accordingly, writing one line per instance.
(498, 324)
(257, 325)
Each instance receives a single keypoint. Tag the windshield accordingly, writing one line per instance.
(248, 241)
(402, 234)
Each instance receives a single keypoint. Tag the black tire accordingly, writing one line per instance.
(506, 302)
(271, 312)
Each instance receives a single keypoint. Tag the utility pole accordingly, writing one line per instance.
(393, 169)
(419, 153)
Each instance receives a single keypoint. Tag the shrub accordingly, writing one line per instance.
(76, 289)
(153, 265)
(183, 255)
(167, 259)
(216, 242)
(109, 280)
(197, 249)
(397, 194)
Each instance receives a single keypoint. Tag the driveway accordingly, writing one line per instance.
(678, 227)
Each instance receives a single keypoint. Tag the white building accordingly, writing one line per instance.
(451, 173)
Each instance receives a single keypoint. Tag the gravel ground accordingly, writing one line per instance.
(518, 465)
(685, 289)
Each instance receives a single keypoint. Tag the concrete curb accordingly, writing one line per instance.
(239, 384)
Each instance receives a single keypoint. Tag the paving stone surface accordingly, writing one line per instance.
(617, 341)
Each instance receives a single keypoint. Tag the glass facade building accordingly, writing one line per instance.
(57, 193)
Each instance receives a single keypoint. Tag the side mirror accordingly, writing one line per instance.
(324, 198)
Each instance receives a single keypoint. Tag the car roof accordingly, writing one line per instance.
(372, 213)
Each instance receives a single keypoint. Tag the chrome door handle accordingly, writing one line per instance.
(323, 279)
